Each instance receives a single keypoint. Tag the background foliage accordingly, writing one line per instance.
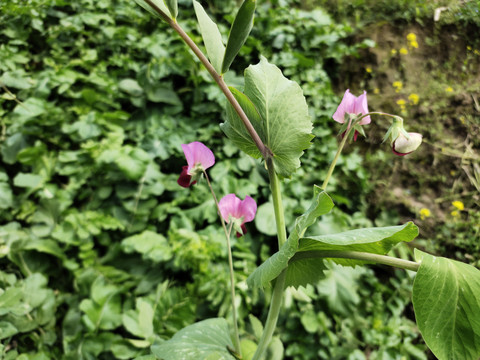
(103, 255)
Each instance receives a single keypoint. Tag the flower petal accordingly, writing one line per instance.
(184, 179)
(248, 209)
(229, 205)
(361, 107)
(197, 153)
(403, 146)
(346, 106)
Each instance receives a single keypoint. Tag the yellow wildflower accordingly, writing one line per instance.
(476, 52)
(424, 213)
(469, 48)
(449, 89)
(401, 102)
(397, 85)
(411, 37)
(413, 98)
(455, 213)
(413, 44)
(393, 52)
(368, 69)
(403, 51)
(376, 91)
(459, 205)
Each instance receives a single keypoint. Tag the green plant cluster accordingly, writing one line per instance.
(102, 254)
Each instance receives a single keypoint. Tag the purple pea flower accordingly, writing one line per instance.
(199, 158)
(352, 106)
(237, 211)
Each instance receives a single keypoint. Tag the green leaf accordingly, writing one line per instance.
(241, 27)
(211, 37)
(283, 122)
(27, 180)
(273, 266)
(235, 129)
(172, 8)
(151, 245)
(7, 330)
(207, 339)
(265, 219)
(446, 300)
(378, 240)
(158, 3)
(131, 87)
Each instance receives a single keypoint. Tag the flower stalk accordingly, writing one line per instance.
(230, 265)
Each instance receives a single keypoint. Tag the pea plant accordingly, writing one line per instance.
(269, 120)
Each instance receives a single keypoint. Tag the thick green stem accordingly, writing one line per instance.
(277, 295)
(218, 79)
(356, 255)
(230, 265)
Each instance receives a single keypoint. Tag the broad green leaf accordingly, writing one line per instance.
(131, 87)
(27, 180)
(151, 245)
(158, 3)
(446, 300)
(172, 8)
(372, 240)
(273, 266)
(241, 27)
(265, 219)
(207, 339)
(211, 37)
(7, 330)
(235, 129)
(278, 112)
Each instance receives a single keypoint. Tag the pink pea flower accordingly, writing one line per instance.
(199, 158)
(237, 211)
(402, 146)
(352, 106)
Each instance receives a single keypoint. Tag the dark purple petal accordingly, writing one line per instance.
(184, 179)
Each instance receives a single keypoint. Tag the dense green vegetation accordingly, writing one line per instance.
(95, 233)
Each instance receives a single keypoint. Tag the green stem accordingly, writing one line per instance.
(335, 159)
(230, 265)
(357, 255)
(277, 295)
(218, 79)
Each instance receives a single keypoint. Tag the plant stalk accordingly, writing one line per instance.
(277, 295)
(265, 151)
(357, 255)
(335, 159)
(230, 265)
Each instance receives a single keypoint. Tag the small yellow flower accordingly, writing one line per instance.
(469, 48)
(453, 172)
(397, 85)
(449, 89)
(368, 69)
(459, 205)
(476, 52)
(424, 213)
(413, 98)
(411, 37)
(413, 44)
(376, 91)
(455, 213)
(462, 119)
(403, 51)
(401, 102)
(393, 52)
